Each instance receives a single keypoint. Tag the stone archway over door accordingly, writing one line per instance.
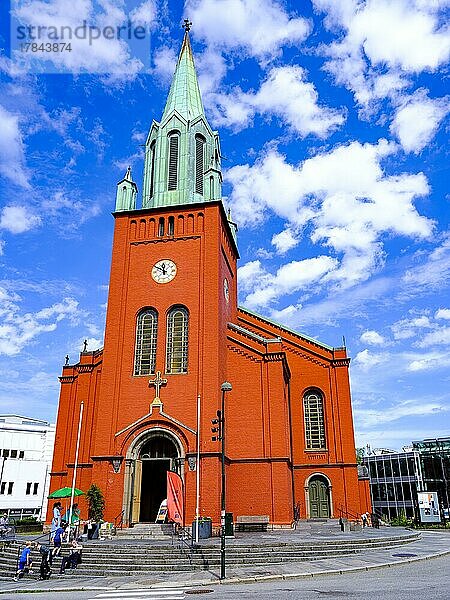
(319, 498)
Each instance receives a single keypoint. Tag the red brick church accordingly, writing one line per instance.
(174, 334)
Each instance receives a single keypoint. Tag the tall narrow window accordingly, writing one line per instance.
(314, 422)
(152, 168)
(177, 340)
(172, 182)
(28, 490)
(35, 488)
(161, 227)
(10, 487)
(146, 336)
(170, 225)
(199, 163)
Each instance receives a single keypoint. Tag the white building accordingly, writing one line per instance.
(26, 451)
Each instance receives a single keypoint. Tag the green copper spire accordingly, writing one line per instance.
(182, 152)
(184, 95)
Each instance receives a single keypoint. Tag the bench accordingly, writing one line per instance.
(252, 522)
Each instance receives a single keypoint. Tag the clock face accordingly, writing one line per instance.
(164, 271)
(226, 290)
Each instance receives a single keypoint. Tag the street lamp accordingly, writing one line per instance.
(225, 387)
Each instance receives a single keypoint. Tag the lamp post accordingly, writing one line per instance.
(225, 387)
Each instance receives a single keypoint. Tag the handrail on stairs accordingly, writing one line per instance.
(118, 520)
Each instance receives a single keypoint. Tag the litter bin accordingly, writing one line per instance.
(229, 525)
(204, 528)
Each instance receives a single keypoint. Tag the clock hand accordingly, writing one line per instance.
(159, 269)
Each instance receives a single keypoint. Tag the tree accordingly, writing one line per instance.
(96, 503)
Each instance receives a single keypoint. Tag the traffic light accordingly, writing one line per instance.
(217, 427)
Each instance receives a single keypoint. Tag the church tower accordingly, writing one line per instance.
(174, 334)
(172, 292)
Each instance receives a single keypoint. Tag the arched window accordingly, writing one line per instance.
(171, 226)
(152, 168)
(199, 163)
(177, 340)
(172, 180)
(161, 227)
(314, 421)
(146, 336)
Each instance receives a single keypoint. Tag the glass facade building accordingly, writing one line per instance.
(396, 477)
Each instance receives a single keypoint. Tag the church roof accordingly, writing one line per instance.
(184, 96)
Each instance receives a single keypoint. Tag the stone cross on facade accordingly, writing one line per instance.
(157, 382)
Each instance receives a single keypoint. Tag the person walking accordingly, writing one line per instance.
(25, 562)
(44, 568)
(57, 542)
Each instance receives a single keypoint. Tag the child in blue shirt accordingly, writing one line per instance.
(25, 562)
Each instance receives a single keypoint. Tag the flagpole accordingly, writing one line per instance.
(75, 469)
(197, 515)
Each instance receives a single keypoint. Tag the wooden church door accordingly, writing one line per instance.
(319, 504)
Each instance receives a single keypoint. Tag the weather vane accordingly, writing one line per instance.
(187, 25)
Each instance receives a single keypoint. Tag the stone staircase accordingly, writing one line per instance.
(146, 531)
(130, 557)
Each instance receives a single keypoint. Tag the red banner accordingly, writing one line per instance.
(175, 503)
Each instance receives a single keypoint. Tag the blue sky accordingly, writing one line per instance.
(333, 119)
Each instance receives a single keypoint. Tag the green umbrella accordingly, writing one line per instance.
(65, 492)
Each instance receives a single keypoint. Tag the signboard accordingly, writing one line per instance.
(162, 512)
(429, 507)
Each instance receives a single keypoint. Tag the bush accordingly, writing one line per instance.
(401, 520)
(96, 503)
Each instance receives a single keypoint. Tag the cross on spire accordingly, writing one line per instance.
(157, 382)
(187, 25)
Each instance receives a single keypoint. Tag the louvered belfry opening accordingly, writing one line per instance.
(199, 163)
(173, 161)
(152, 172)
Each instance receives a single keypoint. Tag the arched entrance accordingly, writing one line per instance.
(153, 454)
(318, 491)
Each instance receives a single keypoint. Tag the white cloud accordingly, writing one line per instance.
(75, 211)
(343, 195)
(433, 272)
(382, 39)
(408, 408)
(17, 329)
(12, 152)
(257, 27)
(417, 120)
(289, 278)
(373, 338)
(164, 60)
(18, 219)
(284, 241)
(366, 360)
(409, 327)
(286, 94)
(109, 55)
(430, 361)
(438, 337)
(442, 313)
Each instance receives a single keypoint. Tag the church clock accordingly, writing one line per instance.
(164, 271)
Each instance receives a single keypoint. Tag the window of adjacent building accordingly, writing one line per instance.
(35, 488)
(2, 487)
(199, 163)
(5, 453)
(152, 168)
(314, 421)
(13, 453)
(10, 487)
(170, 225)
(21, 454)
(146, 337)
(172, 180)
(177, 340)
(28, 490)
